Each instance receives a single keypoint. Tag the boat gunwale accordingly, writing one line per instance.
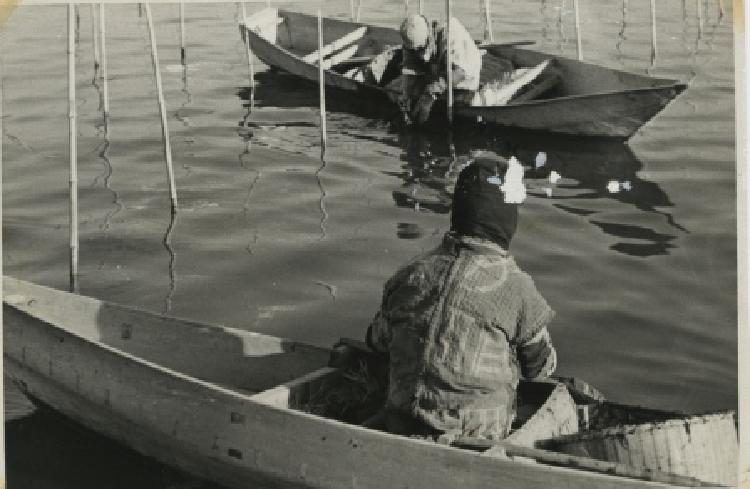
(328, 71)
(148, 363)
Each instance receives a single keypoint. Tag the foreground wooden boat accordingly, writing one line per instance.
(228, 405)
(590, 100)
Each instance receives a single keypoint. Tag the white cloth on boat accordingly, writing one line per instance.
(501, 92)
(464, 53)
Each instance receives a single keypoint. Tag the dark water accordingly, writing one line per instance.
(270, 239)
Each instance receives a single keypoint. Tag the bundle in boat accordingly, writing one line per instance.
(703, 446)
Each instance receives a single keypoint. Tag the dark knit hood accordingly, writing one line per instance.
(479, 207)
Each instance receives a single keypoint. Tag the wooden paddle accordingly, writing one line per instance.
(486, 45)
(361, 60)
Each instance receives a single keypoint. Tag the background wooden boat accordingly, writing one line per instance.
(219, 403)
(590, 100)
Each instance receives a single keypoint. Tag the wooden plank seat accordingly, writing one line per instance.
(350, 389)
(298, 393)
(337, 51)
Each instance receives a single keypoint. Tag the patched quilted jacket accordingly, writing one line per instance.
(462, 324)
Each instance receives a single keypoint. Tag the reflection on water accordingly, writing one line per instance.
(322, 201)
(278, 89)
(167, 241)
(587, 167)
(621, 38)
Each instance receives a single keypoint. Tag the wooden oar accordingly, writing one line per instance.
(360, 60)
(582, 463)
(486, 45)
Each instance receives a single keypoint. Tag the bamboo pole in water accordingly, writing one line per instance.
(105, 83)
(250, 63)
(322, 84)
(95, 40)
(73, 149)
(359, 9)
(421, 6)
(487, 22)
(449, 61)
(162, 109)
(352, 10)
(699, 13)
(182, 33)
(653, 32)
(721, 9)
(579, 49)
(78, 23)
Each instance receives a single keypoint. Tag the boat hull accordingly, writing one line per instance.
(597, 101)
(613, 115)
(225, 435)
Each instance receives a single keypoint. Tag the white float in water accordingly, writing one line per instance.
(514, 188)
(541, 159)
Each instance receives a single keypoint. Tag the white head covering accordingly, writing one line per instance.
(415, 32)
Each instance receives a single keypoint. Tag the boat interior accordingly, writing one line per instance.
(348, 45)
(271, 370)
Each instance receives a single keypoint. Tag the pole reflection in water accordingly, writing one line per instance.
(167, 241)
(321, 202)
(106, 178)
(653, 36)
(246, 135)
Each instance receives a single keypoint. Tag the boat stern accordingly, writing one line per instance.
(264, 23)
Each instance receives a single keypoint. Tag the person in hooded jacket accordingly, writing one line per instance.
(424, 64)
(463, 323)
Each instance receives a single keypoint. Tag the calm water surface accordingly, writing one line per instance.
(270, 239)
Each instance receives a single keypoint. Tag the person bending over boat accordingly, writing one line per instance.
(424, 65)
(463, 323)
